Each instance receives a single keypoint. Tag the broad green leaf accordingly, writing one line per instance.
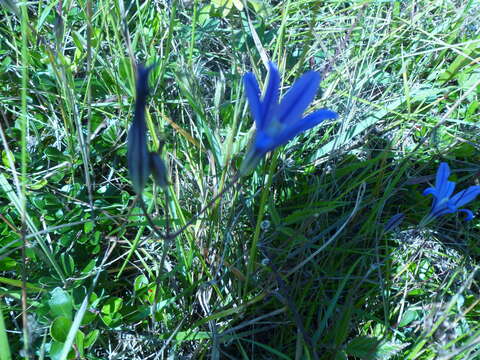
(61, 303)
(59, 328)
(56, 350)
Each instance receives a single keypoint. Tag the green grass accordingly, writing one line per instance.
(293, 263)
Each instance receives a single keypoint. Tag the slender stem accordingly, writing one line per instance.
(261, 210)
(89, 108)
(22, 195)
(26, 332)
(166, 246)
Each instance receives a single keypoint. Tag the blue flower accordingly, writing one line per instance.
(279, 122)
(443, 201)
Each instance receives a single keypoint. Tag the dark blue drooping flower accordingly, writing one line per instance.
(443, 201)
(138, 158)
(141, 162)
(278, 122)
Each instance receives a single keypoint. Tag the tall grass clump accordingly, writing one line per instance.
(280, 221)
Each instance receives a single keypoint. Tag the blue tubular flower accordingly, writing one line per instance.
(443, 201)
(277, 123)
(138, 156)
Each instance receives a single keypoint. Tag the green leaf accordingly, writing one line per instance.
(388, 349)
(5, 158)
(363, 347)
(112, 306)
(80, 342)
(88, 227)
(68, 264)
(61, 303)
(140, 283)
(225, 6)
(342, 327)
(341, 355)
(110, 311)
(54, 154)
(91, 337)
(462, 60)
(4, 347)
(59, 328)
(204, 14)
(259, 7)
(38, 185)
(408, 317)
(56, 350)
(465, 150)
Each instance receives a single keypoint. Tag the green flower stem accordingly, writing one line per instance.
(22, 195)
(263, 200)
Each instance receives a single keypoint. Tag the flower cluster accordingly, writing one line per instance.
(277, 122)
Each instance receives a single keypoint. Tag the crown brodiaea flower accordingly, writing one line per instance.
(443, 201)
(279, 122)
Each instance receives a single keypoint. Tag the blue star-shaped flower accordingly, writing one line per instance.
(277, 123)
(443, 201)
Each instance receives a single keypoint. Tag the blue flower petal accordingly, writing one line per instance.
(312, 120)
(468, 212)
(266, 143)
(430, 191)
(299, 97)
(465, 196)
(448, 189)
(443, 210)
(253, 96)
(270, 99)
(442, 176)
